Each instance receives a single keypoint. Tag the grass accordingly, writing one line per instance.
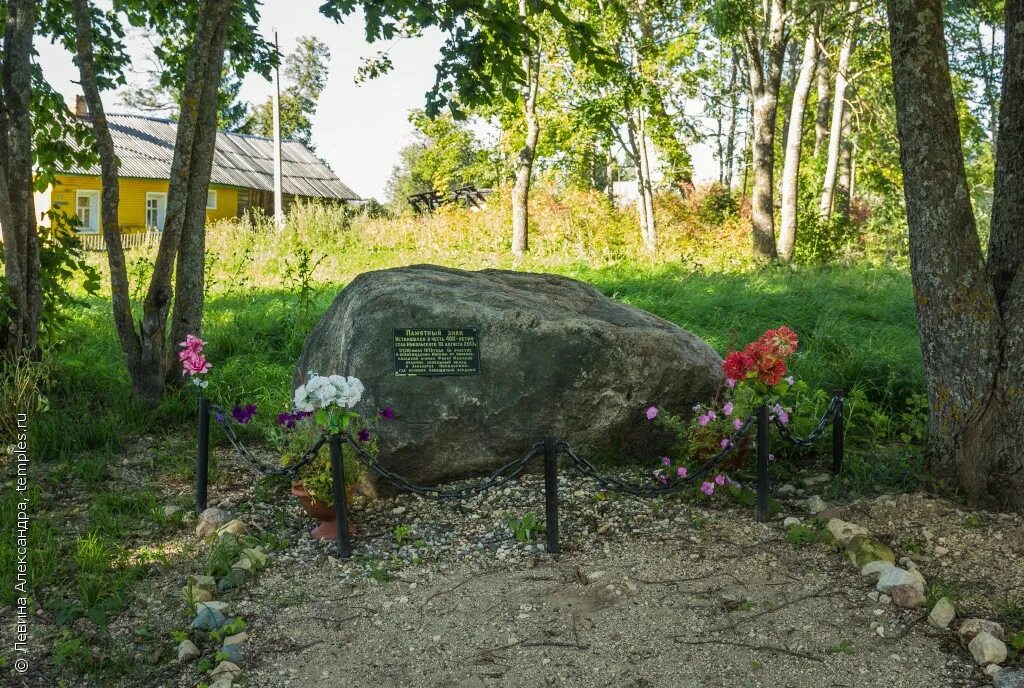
(266, 291)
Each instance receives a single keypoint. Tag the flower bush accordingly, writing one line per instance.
(754, 375)
(327, 403)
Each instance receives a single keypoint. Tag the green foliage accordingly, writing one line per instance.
(443, 156)
(524, 527)
(843, 646)
(402, 533)
(304, 79)
(802, 535)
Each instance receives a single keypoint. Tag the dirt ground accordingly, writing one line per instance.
(645, 593)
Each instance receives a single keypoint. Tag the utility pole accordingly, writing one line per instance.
(278, 204)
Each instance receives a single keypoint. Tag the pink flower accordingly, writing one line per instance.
(720, 479)
(730, 382)
(192, 343)
(707, 488)
(193, 363)
(667, 461)
(726, 442)
(771, 457)
(782, 414)
(711, 415)
(737, 423)
(663, 479)
(727, 409)
(704, 420)
(681, 471)
(789, 379)
(651, 412)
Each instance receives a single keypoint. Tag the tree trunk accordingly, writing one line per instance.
(638, 166)
(17, 205)
(844, 182)
(609, 175)
(824, 103)
(646, 187)
(730, 136)
(765, 69)
(119, 289)
(794, 145)
(524, 164)
(970, 316)
(190, 276)
(838, 107)
(148, 352)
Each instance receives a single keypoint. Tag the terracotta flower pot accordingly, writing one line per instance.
(328, 528)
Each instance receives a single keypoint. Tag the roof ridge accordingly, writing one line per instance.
(168, 120)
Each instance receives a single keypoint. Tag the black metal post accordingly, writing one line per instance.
(340, 507)
(837, 437)
(551, 492)
(203, 462)
(762, 463)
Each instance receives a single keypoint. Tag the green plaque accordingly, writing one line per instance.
(436, 351)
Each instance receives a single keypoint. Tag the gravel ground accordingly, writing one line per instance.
(675, 591)
(645, 593)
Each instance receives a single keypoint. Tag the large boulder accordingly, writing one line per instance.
(556, 357)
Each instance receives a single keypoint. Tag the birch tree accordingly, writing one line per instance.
(794, 142)
(839, 106)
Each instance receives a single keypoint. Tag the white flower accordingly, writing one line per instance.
(350, 393)
(302, 400)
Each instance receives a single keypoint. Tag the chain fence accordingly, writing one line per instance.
(550, 449)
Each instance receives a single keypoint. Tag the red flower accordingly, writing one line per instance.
(782, 341)
(736, 365)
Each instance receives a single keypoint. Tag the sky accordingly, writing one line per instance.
(358, 128)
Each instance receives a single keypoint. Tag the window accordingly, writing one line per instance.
(211, 200)
(87, 208)
(156, 210)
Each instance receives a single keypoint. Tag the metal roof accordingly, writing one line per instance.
(145, 149)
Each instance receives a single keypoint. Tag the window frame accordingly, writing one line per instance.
(145, 216)
(214, 196)
(94, 209)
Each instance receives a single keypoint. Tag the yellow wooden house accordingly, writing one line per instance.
(241, 179)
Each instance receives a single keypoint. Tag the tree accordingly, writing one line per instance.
(159, 95)
(17, 207)
(305, 77)
(149, 351)
(839, 107)
(970, 308)
(794, 142)
(764, 38)
(443, 156)
(524, 161)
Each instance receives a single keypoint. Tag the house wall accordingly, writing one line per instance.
(131, 213)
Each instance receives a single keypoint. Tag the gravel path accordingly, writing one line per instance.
(645, 593)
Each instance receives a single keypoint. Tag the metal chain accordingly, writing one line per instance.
(816, 434)
(612, 483)
(307, 456)
(500, 476)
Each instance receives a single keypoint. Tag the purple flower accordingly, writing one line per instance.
(243, 414)
(771, 457)
(387, 413)
(651, 413)
(711, 415)
(726, 443)
(782, 414)
(720, 479)
(707, 488)
(289, 420)
(363, 435)
(727, 409)
(681, 472)
(663, 479)
(667, 461)
(789, 379)
(704, 420)
(737, 423)
(219, 417)
(730, 382)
